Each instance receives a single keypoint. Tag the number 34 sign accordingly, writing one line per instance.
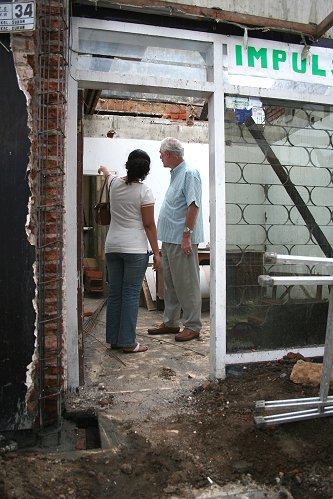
(17, 16)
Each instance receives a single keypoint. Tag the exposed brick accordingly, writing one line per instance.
(53, 86)
(81, 439)
(50, 268)
(50, 332)
(50, 343)
(42, 72)
(54, 115)
(50, 304)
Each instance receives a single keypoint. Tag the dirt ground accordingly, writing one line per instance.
(167, 431)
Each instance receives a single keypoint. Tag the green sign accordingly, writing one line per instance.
(280, 61)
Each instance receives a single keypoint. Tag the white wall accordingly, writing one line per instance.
(258, 213)
(113, 153)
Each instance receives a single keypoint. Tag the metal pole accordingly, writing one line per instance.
(274, 258)
(328, 351)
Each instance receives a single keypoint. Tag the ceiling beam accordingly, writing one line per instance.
(217, 14)
(204, 112)
(90, 100)
(148, 108)
(324, 26)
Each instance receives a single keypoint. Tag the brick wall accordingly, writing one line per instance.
(41, 64)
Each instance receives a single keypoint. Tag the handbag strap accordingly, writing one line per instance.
(102, 190)
(103, 187)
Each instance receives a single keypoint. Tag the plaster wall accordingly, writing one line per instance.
(128, 127)
(113, 154)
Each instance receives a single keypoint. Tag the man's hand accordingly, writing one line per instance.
(186, 245)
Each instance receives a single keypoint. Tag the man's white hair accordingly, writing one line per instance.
(173, 145)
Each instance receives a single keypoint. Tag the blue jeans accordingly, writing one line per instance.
(126, 272)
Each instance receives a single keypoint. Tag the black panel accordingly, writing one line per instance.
(17, 287)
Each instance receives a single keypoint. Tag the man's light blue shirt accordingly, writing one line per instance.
(184, 189)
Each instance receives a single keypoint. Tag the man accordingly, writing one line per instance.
(180, 229)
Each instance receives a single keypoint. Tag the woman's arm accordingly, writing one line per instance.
(148, 220)
(104, 170)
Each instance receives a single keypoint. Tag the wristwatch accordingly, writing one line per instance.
(187, 230)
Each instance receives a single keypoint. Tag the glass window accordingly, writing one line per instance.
(279, 174)
(112, 51)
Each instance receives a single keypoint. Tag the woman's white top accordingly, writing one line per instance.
(126, 233)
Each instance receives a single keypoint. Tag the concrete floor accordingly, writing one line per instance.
(141, 384)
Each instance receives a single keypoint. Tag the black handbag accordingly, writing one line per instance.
(102, 214)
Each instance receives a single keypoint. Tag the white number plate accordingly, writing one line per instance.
(18, 16)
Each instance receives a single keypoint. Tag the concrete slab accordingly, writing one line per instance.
(141, 385)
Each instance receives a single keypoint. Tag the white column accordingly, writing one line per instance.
(70, 242)
(217, 221)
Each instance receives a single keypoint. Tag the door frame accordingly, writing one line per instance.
(213, 92)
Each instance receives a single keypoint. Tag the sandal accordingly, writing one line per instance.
(137, 349)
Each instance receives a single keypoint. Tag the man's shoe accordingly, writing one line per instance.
(163, 329)
(187, 335)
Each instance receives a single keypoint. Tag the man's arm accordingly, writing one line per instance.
(191, 217)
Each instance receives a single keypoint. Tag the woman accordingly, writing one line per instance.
(126, 249)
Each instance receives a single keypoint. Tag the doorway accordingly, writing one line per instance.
(168, 63)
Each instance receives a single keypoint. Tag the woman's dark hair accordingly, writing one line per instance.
(137, 165)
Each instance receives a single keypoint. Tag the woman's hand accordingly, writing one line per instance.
(156, 262)
(104, 170)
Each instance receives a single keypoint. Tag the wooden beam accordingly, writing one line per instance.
(90, 100)
(150, 304)
(160, 109)
(204, 112)
(257, 133)
(216, 14)
(324, 26)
